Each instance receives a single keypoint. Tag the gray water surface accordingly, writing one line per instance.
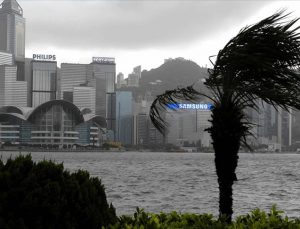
(186, 182)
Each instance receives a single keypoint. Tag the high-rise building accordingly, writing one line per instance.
(41, 78)
(12, 34)
(145, 134)
(100, 74)
(71, 75)
(84, 97)
(141, 129)
(120, 80)
(134, 77)
(273, 126)
(12, 92)
(44, 77)
(124, 117)
(138, 71)
(111, 113)
(188, 126)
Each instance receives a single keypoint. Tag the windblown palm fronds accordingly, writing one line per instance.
(261, 62)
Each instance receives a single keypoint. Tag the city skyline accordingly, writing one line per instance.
(139, 32)
(33, 82)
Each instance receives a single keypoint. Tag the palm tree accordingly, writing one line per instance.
(259, 64)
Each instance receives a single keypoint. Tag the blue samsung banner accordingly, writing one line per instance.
(191, 106)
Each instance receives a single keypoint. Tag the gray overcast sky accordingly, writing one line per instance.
(139, 32)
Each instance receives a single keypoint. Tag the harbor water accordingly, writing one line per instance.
(186, 182)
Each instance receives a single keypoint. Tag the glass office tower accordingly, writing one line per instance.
(44, 77)
(124, 117)
(101, 76)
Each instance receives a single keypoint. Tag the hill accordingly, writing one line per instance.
(170, 75)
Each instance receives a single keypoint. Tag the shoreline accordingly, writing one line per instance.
(29, 150)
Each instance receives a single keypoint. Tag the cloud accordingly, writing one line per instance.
(129, 25)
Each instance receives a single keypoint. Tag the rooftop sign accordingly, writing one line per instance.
(44, 57)
(104, 60)
(190, 106)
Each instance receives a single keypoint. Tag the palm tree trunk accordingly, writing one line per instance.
(225, 133)
(226, 162)
(225, 199)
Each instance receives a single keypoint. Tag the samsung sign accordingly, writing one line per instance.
(191, 106)
(44, 57)
(104, 60)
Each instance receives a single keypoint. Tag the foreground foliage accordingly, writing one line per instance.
(44, 195)
(257, 219)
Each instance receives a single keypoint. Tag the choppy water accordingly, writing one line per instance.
(187, 182)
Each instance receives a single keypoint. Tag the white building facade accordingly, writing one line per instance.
(12, 92)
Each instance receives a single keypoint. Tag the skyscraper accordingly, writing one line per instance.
(120, 80)
(124, 117)
(13, 88)
(12, 92)
(44, 76)
(12, 34)
(100, 74)
(134, 77)
(71, 75)
(84, 97)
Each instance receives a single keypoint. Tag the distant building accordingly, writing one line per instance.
(141, 129)
(188, 126)
(111, 113)
(124, 117)
(43, 82)
(145, 134)
(103, 75)
(121, 82)
(154, 136)
(100, 74)
(272, 127)
(134, 77)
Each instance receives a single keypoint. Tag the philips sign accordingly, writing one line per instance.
(44, 57)
(104, 60)
(190, 106)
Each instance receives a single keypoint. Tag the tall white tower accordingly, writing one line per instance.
(12, 29)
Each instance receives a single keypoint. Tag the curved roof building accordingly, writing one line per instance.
(57, 109)
(55, 123)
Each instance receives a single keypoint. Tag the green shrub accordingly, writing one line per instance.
(44, 195)
(257, 219)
